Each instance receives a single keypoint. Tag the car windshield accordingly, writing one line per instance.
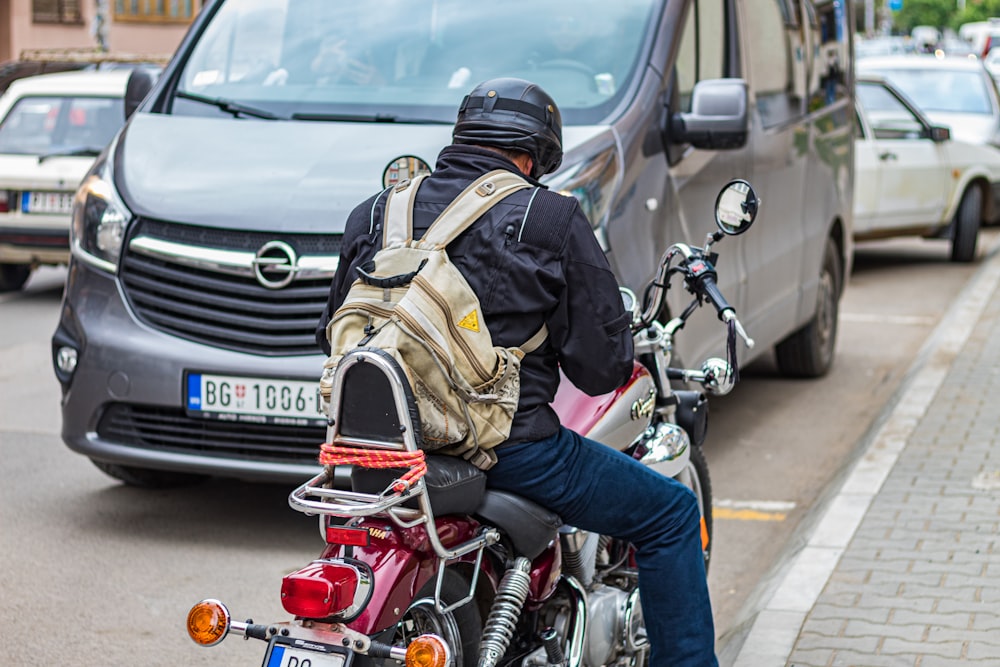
(943, 90)
(51, 125)
(398, 61)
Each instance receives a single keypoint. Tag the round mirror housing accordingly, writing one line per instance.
(736, 207)
(719, 377)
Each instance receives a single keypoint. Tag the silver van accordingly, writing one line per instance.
(205, 236)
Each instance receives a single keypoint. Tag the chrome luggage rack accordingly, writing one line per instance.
(318, 497)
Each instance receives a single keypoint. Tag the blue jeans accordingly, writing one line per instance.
(595, 488)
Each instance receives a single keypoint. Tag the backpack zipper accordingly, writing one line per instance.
(442, 305)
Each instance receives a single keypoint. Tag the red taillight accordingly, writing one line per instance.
(352, 537)
(318, 590)
(4, 199)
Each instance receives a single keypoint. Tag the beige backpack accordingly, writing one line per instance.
(415, 305)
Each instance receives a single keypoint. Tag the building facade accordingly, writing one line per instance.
(145, 28)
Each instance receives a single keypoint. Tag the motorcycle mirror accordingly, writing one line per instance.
(629, 301)
(736, 207)
(719, 377)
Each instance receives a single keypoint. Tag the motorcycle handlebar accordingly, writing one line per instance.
(710, 290)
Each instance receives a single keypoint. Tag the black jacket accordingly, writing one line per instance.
(526, 270)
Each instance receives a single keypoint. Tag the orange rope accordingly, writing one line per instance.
(331, 455)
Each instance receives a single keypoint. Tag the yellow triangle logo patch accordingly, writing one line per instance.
(470, 322)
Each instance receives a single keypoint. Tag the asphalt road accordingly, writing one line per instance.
(96, 573)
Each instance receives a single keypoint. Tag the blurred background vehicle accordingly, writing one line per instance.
(952, 91)
(954, 46)
(992, 62)
(52, 127)
(913, 179)
(925, 37)
(883, 46)
(981, 35)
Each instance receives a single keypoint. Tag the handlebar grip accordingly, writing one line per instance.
(712, 292)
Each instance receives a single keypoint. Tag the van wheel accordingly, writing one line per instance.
(145, 478)
(965, 228)
(808, 353)
(13, 276)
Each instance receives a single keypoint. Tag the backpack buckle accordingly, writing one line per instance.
(486, 188)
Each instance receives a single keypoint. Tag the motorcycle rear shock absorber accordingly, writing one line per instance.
(502, 621)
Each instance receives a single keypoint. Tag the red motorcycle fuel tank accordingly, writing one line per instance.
(615, 419)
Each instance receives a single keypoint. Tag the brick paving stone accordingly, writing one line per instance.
(919, 583)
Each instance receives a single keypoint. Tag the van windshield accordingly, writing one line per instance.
(407, 61)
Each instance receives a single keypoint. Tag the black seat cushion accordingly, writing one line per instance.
(454, 485)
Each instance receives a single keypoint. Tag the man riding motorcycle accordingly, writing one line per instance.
(533, 260)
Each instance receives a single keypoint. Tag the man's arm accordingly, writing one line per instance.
(591, 327)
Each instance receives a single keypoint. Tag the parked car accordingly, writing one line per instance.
(52, 126)
(952, 91)
(882, 46)
(981, 35)
(206, 237)
(913, 179)
(992, 63)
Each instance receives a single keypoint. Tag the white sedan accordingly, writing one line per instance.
(52, 127)
(913, 179)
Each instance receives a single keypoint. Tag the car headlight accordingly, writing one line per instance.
(593, 182)
(99, 220)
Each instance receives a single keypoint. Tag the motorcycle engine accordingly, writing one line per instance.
(614, 624)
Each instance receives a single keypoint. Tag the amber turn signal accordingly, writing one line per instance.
(208, 622)
(427, 651)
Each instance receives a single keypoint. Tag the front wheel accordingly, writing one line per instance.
(461, 628)
(695, 477)
(808, 353)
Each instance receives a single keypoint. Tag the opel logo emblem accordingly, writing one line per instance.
(275, 265)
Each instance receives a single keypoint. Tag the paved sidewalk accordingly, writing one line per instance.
(903, 566)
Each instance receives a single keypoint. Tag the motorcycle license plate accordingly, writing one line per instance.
(254, 400)
(292, 652)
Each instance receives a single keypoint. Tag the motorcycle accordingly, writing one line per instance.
(425, 565)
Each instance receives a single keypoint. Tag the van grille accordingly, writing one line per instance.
(220, 309)
(172, 430)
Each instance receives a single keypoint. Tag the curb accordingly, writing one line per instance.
(784, 600)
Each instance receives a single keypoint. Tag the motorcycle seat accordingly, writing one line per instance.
(454, 486)
(530, 526)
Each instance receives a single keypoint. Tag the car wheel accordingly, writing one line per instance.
(145, 478)
(965, 228)
(808, 353)
(13, 276)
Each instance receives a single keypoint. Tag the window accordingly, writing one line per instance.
(776, 61)
(702, 48)
(159, 11)
(51, 124)
(828, 37)
(56, 11)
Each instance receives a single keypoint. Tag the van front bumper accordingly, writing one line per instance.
(124, 402)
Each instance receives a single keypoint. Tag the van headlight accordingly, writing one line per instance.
(593, 182)
(99, 220)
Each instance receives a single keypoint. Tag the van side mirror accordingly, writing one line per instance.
(140, 82)
(718, 119)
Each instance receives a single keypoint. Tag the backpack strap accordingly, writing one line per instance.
(481, 195)
(397, 228)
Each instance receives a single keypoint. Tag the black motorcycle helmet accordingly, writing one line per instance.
(513, 114)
